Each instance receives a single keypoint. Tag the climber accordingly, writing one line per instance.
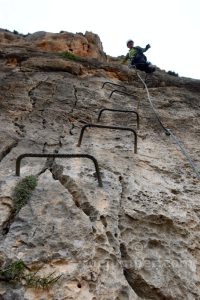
(137, 58)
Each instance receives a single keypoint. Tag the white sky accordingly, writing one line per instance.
(171, 27)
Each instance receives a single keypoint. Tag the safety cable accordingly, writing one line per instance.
(185, 153)
(148, 95)
(168, 131)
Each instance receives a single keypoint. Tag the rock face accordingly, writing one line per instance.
(137, 237)
(84, 45)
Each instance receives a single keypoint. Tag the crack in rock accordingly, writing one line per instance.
(78, 195)
(142, 288)
(138, 284)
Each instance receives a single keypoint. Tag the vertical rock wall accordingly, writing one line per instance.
(135, 238)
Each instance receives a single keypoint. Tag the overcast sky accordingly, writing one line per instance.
(171, 27)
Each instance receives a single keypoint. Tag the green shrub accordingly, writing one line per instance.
(15, 32)
(70, 56)
(23, 191)
(172, 73)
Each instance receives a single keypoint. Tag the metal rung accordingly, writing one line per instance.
(120, 92)
(19, 158)
(119, 110)
(108, 82)
(107, 127)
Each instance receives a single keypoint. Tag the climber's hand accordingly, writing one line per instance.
(148, 46)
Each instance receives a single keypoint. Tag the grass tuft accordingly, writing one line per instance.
(23, 191)
(35, 281)
(15, 272)
(70, 56)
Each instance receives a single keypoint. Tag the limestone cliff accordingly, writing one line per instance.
(137, 237)
(85, 45)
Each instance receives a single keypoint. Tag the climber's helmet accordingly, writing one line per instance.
(129, 43)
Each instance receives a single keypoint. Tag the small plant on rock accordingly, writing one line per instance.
(23, 191)
(17, 272)
(15, 32)
(13, 271)
(70, 56)
(172, 73)
(35, 281)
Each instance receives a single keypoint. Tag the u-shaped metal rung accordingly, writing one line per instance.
(120, 92)
(119, 110)
(107, 127)
(108, 82)
(19, 158)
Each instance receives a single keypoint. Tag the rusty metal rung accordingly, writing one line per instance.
(119, 110)
(107, 127)
(108, 82)
(56, 155)
(120, 92)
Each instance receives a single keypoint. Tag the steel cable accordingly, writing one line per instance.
(169, 132)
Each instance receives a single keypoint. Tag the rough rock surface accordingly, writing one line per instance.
(138, 236)
(85, 45)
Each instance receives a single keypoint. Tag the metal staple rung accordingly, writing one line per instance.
(108, 82)
(19, 158)
(107, 127)
(120, 92)
(119, 110)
